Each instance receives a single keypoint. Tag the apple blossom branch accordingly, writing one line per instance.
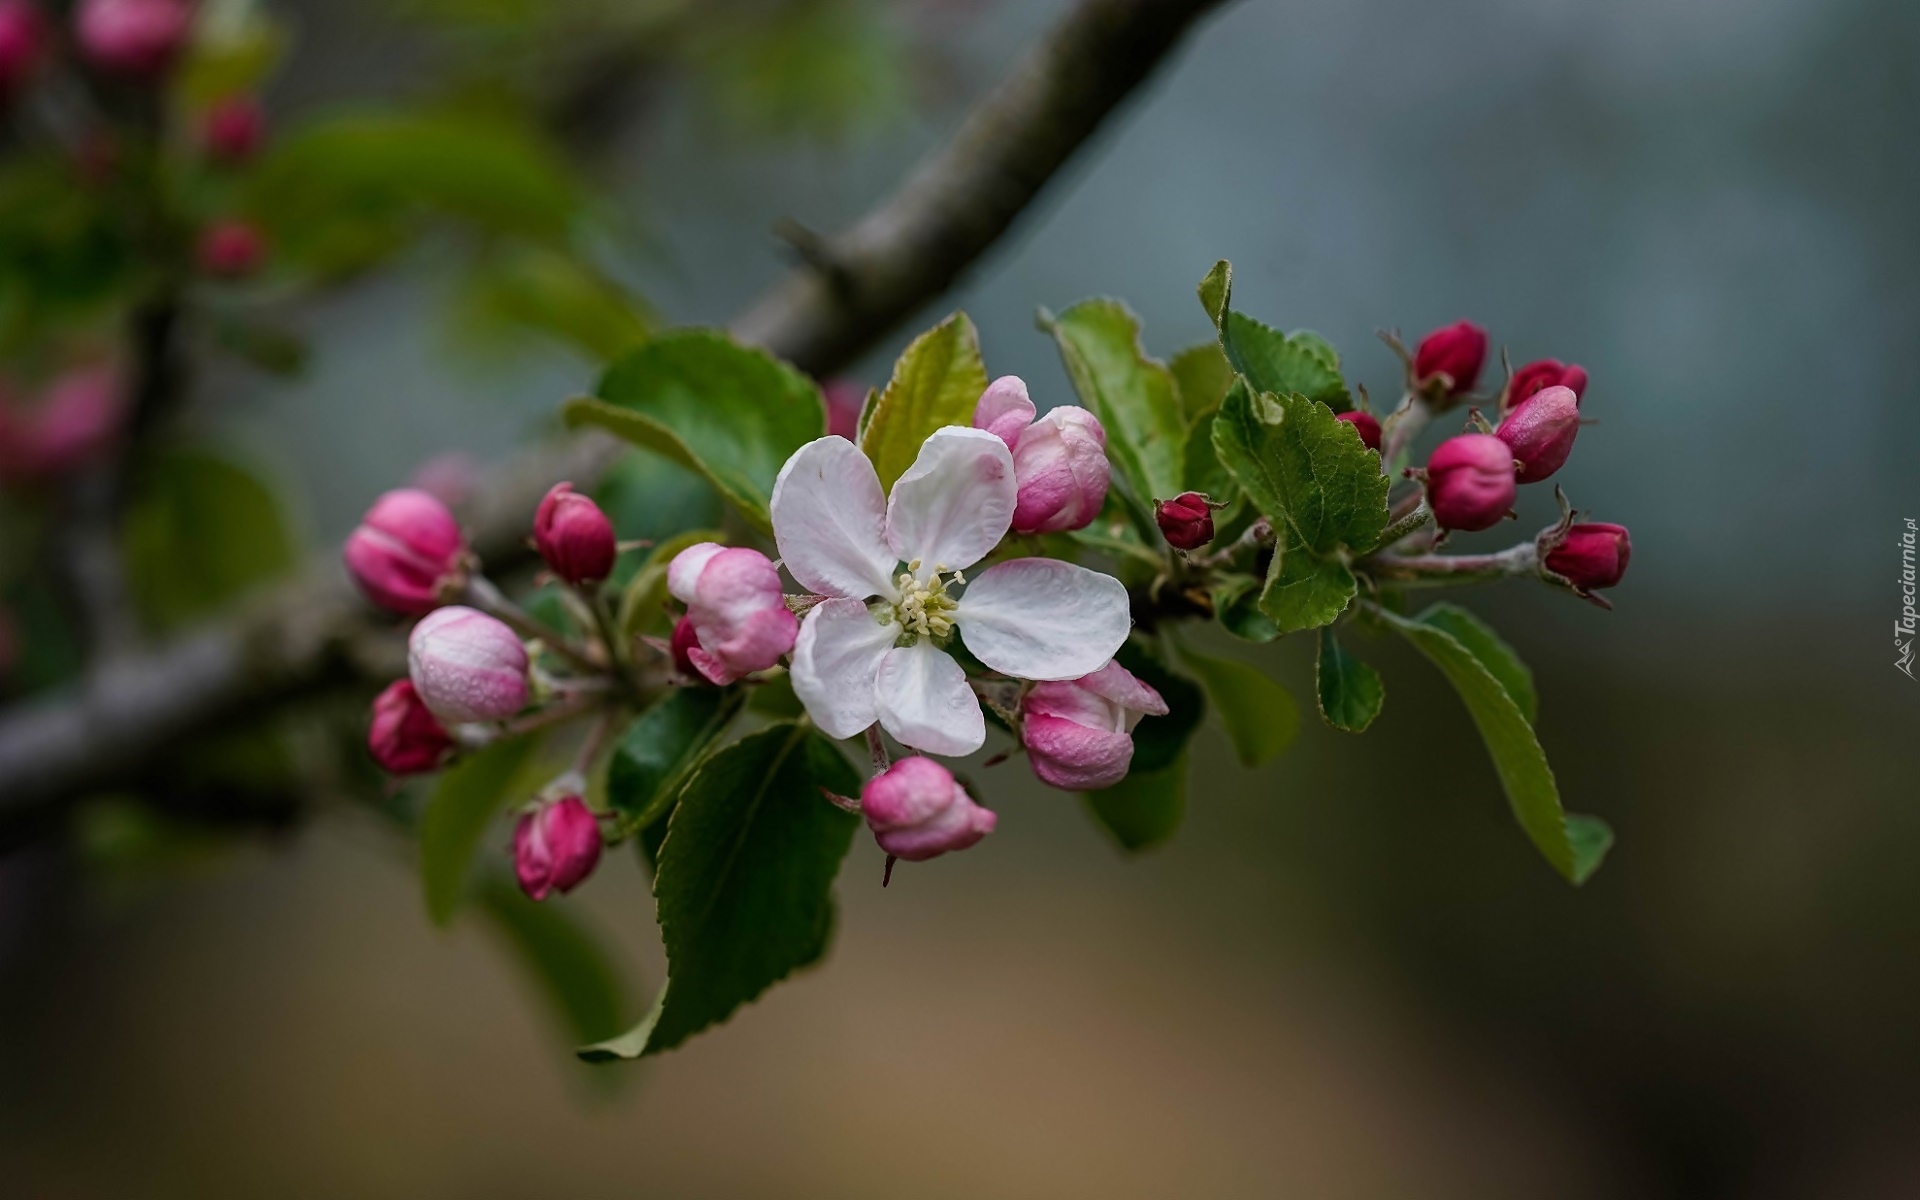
(314, 634)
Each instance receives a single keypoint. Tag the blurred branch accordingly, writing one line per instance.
(314, 633)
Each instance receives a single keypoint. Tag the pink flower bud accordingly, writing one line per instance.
(234, 129)
(1079, 734)
(1470, 482)
(917, 811)
(1455, 351)
(574, 536)
(740, 618)
(231, 250)
(23, 39)
(404, 737)
(1540, 431)
(406, 552)
(844, 398)
(1541, 375)
(76, 417)
(555, 847)
(467, 666)
(1059, 461)
(684, 642)
(1593, 556)
(1186, 521)
(1364, 422)
(133, 37)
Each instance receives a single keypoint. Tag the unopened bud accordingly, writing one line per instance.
(69, 424)
(133, 37)
(1079, 733)
(406, 551)
(1594, 555)
(1448, 360)
(1540, 375)
(231, 250)
(740, 618)
(574, 536)
(23, 40)
(405, 737)
(844, 399)
(467, 666)
(1365, 424)
(1540, 431)
(1186, 521)
(555, 847)
(1470, 482)
(1060, 465)
(234, 129)
(917, 811)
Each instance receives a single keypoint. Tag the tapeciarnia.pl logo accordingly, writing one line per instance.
(1903, 629)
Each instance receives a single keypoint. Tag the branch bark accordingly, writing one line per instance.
(315, 634)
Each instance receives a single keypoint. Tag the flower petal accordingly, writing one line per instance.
(1040, 618)
(830, 521)
(835, 659)
(924, 700)
(1004, 409)
(954, 503)
(1114, 682)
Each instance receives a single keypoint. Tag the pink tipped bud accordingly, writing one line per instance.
(1593, 556)
(917, 811)
(133, 37)
(1079, 734)
(555, 847)
(740, 618)
(407, 551)
(405, 738)
(1540, 431)
(23, 40)
(1540, 375)
(1368, 428)
(1062, 472)
(234, 129)
(1470, 482)
(1449, 359)
(681, 646)
(467, 666)
(1005, 410)
(844, 399)
(1186, 521)
(231, 250)
(78, 415)
(574, 536)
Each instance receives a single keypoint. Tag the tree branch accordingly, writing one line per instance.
(314, 633)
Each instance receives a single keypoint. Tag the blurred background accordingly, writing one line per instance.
(1349, 976)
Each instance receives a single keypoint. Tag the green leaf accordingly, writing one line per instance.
(539, 290)
(1272, 361)
(661, 748)
(745, 879)
(1299, 462)
(1350, 691)
(567, 962)
(1134, 396)
(1203, 375)
(1160, 741)
(200, 532)
(1260, 715)
(1495, 655)
(1204, 472)
(1574, 845)
(730, 412)
(1303, 590)
(456, 818)
(1144, 809)
(936, 382)
(230, 54)
(1236, 605)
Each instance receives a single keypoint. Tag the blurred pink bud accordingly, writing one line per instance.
(231, 249)
(76, 417)
(555, 847)
(1364, 422)
(1470, 482)
(449, 477)
(234, 129)
(918, 811)
(133, 37)
(406, 552)
(1079, 733)
(404, 737)
(1541, 375)
(1059, 461)
(467, 666)
(1455, 351)
(1540, 430)
(1593, 556)
(23, 39)
(574, 536)
(684, 642)
(739, 615)
(1186, 521)
(845, 398)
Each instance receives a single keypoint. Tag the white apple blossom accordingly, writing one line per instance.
(875, 649)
